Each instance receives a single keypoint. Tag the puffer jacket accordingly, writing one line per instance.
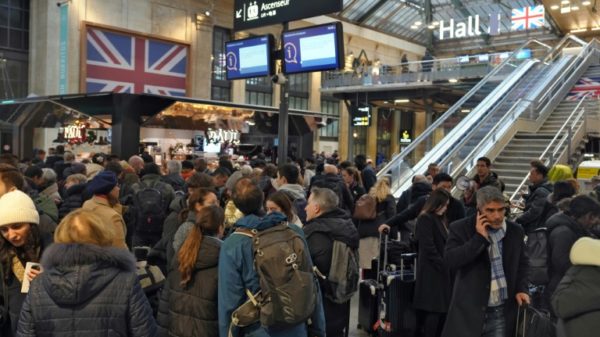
(237, 273)
(191, 310)
(73, 200)
(86, 290)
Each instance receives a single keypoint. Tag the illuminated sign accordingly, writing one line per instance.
(361, 116)
(471, 28)
(405, 137)
(75, 131)
(220, 135)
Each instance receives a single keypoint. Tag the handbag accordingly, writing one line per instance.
(532, 322)
(365, 208)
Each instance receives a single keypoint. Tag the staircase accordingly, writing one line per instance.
(512, 164)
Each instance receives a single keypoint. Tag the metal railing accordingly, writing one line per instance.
(424, 71)
(563, 137)
(401, 169)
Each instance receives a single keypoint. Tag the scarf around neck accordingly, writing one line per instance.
(499, 288)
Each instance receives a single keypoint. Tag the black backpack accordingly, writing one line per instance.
(537, 250)
(150, 212)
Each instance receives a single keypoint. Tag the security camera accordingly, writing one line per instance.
(278, 79)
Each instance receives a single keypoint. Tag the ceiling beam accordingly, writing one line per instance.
(371, 11)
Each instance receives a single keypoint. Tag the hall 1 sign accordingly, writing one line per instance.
(257, 13)
(471, 28)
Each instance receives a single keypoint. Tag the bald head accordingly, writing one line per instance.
(330, 169)
(418, 178)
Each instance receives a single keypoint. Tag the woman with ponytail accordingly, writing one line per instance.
(188, 304)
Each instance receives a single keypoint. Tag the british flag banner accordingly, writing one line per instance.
(586, 86)
(128, 63)
(531, 17)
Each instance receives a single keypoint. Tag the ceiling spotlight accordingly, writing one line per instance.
(565, 2)
(554, 7)
(402, 100)
(207, 13)
(431, 27)
(596, 29)
(435, 23)
(418, 23)
(586, 3)
(578, 30)
(575, 8)
(413, 27)
(453, 80)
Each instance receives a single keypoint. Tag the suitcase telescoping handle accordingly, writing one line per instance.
(383, 240)
(522, 317)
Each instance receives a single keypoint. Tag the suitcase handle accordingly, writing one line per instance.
(522, 311)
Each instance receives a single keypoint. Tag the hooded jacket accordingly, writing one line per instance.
(175, 180)
(191, 310)
(86, 290)
(320, 234)
(73, 200)
(236, 274)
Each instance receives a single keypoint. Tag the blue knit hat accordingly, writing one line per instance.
(102, 183)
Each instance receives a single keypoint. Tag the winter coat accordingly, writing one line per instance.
(175, 180)
(357, 191)
(236, 274)
(466, 253)
(491, 180)
(51, 191)
(455, 212)
(433, 288)
(320, 233)
(417, 190)
(577, 298)
(534, 206)
(73, 200)
(369, 177)
(335, 183)
(86, 290)
(110, 216)
(13, 287)
(385, 210)
(162, 252)
(564, 232)
(191, 310)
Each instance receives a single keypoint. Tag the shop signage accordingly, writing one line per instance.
(257, 13)
(220, 135)
(75, 132)
(405, 137)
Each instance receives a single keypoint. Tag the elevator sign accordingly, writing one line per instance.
(257, 13)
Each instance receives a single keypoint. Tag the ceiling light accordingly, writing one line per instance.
(596, 28)
(465, 110)
(413, 27)
(586, 3)
(453, 80)
(554, 7)
(565, 9)
(575, 8)
(578, 30)
(402, 100)
(386, 102)
(565, 2)
(431, 27)
(435, 23)
(418, 23)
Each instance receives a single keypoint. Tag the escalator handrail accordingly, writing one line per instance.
(457, 105)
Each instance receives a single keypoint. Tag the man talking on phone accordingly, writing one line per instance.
(487, 253)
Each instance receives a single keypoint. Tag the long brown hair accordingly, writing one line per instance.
(29, 252)
(208, 222)
(283, 201)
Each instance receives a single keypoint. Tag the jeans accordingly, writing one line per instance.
(494, 324)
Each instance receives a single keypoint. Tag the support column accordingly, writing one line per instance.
(126, 125)
(314, 104)
(200, 76)
(372, 136)
(345, 138)
(395, 141)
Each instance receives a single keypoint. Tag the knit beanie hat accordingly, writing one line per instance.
(586, 251)
(17, 207)
(102, 183)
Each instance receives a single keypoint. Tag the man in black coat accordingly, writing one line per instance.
(487, 253)
(332, 180)
(536, 203)
(325, 223)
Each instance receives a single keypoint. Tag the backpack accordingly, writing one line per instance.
(342, 281)
(537, 250)
(288, 292)
(365, 208)
(149, 210)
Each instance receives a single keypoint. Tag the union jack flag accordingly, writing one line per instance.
(586, 86)
(125, 63)
(531, 17)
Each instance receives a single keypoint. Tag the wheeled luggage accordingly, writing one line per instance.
(534, 323)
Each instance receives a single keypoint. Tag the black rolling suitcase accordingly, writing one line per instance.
(397, 317)
(368, 305)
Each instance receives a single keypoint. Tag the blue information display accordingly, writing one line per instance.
(249, 58)
(315, 48)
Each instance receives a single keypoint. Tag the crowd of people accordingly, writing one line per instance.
(246, 248)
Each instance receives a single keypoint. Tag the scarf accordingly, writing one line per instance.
(18, 269)
(498, 289)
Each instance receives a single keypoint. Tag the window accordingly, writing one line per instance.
(259, 91)
(298, 91)
(14, 48)
(221, 88)
(330, 106)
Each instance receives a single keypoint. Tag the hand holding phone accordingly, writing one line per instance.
(481, 225)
